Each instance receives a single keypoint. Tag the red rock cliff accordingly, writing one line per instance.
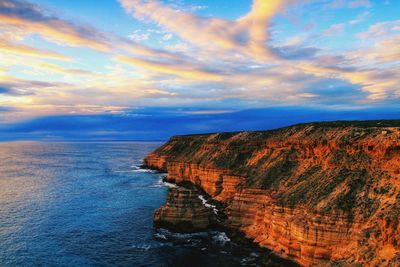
(319, 194)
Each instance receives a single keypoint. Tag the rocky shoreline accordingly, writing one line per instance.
(188, 209)
(317, 194)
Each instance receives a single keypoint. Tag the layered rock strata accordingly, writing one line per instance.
(183, 211)
(320, 194)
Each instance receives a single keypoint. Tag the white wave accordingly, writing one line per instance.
(250, 259)
(160, 236)
(164, 231)
(170, 185)
(144, 170)
(189, 236)
(142, 247)
(208, 205)
(162, 183)
(221, 238)
(137, 168)
(192, 238)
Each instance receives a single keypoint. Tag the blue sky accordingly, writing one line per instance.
(193, 65)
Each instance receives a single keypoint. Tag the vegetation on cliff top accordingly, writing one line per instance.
(329, 166)
(327, 124)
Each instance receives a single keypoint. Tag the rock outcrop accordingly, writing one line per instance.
(319, 194)
(184, 211)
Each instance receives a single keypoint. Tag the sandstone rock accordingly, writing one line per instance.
(319, 194)
(183, 211)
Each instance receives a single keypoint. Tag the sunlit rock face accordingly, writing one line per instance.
(319, 194)
(183, 211)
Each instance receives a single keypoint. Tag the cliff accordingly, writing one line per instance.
(184, 211)
(318, 194)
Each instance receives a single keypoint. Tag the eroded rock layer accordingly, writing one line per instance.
(183, 211)
(319, 194)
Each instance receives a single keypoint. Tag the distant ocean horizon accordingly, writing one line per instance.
(90, 204)
(84, 141)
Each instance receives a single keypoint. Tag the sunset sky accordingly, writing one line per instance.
(134, 69)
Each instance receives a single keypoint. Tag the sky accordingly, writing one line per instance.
(146, 70)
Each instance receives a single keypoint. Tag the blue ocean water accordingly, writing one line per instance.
(89, 204)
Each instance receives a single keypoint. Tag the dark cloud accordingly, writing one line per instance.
(295, 52)
(4, 90)
(161, 123)
(9, 90)
(6, 109)
(22, 9)
(80, 34)
(19, 87)
(333, 91)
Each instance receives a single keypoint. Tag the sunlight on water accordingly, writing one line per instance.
(90, 204)
(66, 203)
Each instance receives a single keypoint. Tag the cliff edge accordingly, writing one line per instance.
(319, 193)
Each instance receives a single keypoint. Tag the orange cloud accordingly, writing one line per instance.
(29, 19)
(188, 72)
(245, 64)
(247, 35)
(58, 31)
(20, 49)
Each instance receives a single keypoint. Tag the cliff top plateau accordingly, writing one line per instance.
(314, 192)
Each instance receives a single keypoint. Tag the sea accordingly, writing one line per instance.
(91, 204)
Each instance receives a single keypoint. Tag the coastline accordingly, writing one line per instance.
(267, 257)
(298, 191)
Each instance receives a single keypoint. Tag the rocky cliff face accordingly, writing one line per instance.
(184, 211)
(319, 194)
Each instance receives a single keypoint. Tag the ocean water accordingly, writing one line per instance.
(90, 204)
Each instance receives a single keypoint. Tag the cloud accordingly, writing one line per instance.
(8, 84)
(360, 18)
(296, 52)
(20, 49)
(380, 84)
(167, 36)
(248, 38)
(57, 68)
(381, 30)
(32, 20)
(139, 36)
(29, 19)
(334, 29)
(247, 35)
(187, 72)
(198, 60)
(4, 90)
(359, 3)
(157, 123)
(158, 92)
(5, 109)
(350, 4)
(20, 93)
